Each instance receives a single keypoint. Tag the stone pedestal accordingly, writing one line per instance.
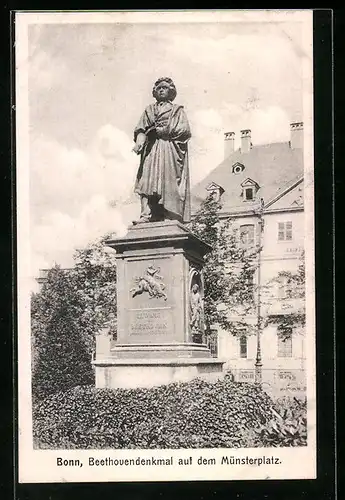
(157, 265)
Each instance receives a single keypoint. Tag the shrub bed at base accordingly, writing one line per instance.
(196, 414)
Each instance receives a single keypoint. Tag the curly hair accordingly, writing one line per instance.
(172, 88)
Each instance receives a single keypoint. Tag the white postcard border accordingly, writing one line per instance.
(41, 465)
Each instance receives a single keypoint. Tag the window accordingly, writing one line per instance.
(247, 235)
(284, 288)
(285, 231)
(285, 343)
(212, 342)
(243, 346)
(249, 194)
(215, 191)
(237, 168)
(215, 195)
(249, 189)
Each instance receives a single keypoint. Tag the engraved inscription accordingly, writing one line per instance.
(149, 322)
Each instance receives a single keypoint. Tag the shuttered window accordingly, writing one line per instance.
(247, 235)
(284, 231)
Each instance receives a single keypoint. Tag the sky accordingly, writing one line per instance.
(88, 85)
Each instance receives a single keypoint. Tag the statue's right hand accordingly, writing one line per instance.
(137, 149)
(140, 142)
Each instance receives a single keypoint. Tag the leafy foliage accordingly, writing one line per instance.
(228, 271)
(61, 358)
(94, 276)
(289, 428)
(66, 314)
(196, 414)
(295, 289)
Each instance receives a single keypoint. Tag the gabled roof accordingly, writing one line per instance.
(292, 196)
(215, 187)
(274, 167)
(249, 182)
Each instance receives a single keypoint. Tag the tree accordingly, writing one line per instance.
(67, 313)
(61, 358)
(228, 271)
(294, 285)
(94, 276)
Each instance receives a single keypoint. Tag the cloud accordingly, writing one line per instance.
(206, 146)
(66, 178)
(270, 124)
(78, 196)
(237, 53)
(209, 63)
(89, 84)
(41, 71)
(45, 70)
(229, 68)
(208, 118)
(57, 176)
(115, 161)
(56, 237)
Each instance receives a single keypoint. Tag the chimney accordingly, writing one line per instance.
(296, 135)
(246, 143)
(229, 143)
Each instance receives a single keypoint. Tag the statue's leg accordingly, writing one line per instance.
(145, 207)
(145, 212)
(157, 209)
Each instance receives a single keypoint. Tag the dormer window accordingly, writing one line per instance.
(249, 195)
(250, 189)
(237, 168)
(215, 191)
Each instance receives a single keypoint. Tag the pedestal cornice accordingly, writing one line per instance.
(159, 235)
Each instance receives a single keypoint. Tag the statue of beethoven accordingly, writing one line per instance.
(161, 138)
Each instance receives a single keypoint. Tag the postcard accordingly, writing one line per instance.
(165, 240)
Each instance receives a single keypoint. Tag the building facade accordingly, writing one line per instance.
(262, 189)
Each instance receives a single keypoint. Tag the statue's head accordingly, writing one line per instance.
(195, 288)
(164, 89)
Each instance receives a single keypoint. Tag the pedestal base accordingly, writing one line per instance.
(167, 350)
(115, 373)
(158, 264)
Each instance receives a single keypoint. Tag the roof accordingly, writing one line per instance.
(274, 167)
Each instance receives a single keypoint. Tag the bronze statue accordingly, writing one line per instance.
(196, 310)
(161, 138)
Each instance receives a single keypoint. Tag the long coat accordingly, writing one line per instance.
(163, 169)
